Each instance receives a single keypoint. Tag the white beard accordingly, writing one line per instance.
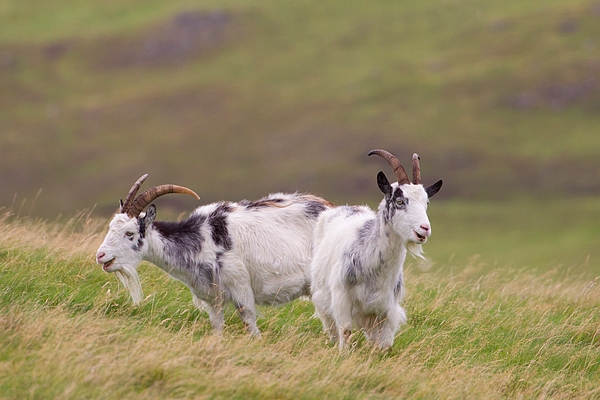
(131, 280)
(415, 250)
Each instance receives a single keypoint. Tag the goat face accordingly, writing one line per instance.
(123, 249)
(405, 208)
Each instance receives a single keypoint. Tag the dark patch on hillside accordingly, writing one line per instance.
(472, 176)
(55, 50)
(8, 61)
(187, 35)
(555, 96)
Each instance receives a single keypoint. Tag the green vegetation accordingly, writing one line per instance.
(557, 233)
(236, 99)
(67, 330)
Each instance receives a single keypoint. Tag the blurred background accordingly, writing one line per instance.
(236, 99)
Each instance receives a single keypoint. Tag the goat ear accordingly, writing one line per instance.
(433, 189)
(384, 184)
(150, 215)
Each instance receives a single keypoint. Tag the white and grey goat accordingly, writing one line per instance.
(357, 267)
(250, 252)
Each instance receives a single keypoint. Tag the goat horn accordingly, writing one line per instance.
(131, 195)
(416, 169)
(399, 170)
(153, 193)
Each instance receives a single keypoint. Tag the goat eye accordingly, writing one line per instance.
(400, 202)
(129, 234)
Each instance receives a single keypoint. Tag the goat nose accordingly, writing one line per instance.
(100, 255)
(425, 227)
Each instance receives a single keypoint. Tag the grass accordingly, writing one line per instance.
(522, 232)
(476, 329)
(499, 98)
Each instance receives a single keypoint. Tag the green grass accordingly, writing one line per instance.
(479, 325)
(522, 232)
(291, 96)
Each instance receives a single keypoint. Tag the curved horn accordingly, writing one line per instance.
(416, 169)
(153, 193)
(399, 170)
(125, 205)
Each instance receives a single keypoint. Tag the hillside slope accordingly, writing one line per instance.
(69, 331)
(235, 99)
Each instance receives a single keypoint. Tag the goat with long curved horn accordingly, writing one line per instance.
(220, 251)
(399, 170)
(153, 193)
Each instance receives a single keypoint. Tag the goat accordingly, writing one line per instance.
(250, 252)
(357, 267)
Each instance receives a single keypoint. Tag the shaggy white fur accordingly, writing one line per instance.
(357, 267)
(246, 253)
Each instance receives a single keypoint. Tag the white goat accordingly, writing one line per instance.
(357, 275)
(248, 252)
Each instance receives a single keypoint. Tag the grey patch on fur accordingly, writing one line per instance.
(399, 286)
(351, 210)
(218, 223)
(353, 258)
(183, 240)
(142, 227)
(353, 268)
(314, 208)
(392, 206)
(219, 266)
(205, 274)
(139, 244)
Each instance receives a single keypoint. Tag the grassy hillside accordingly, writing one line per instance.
(67, 330)
(237, 98)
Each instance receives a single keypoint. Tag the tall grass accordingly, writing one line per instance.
(67, 330)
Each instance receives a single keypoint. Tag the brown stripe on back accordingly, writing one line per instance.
(263, 203)
(311, 198)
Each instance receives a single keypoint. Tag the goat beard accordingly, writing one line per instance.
(130, 278)
(415, 250)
